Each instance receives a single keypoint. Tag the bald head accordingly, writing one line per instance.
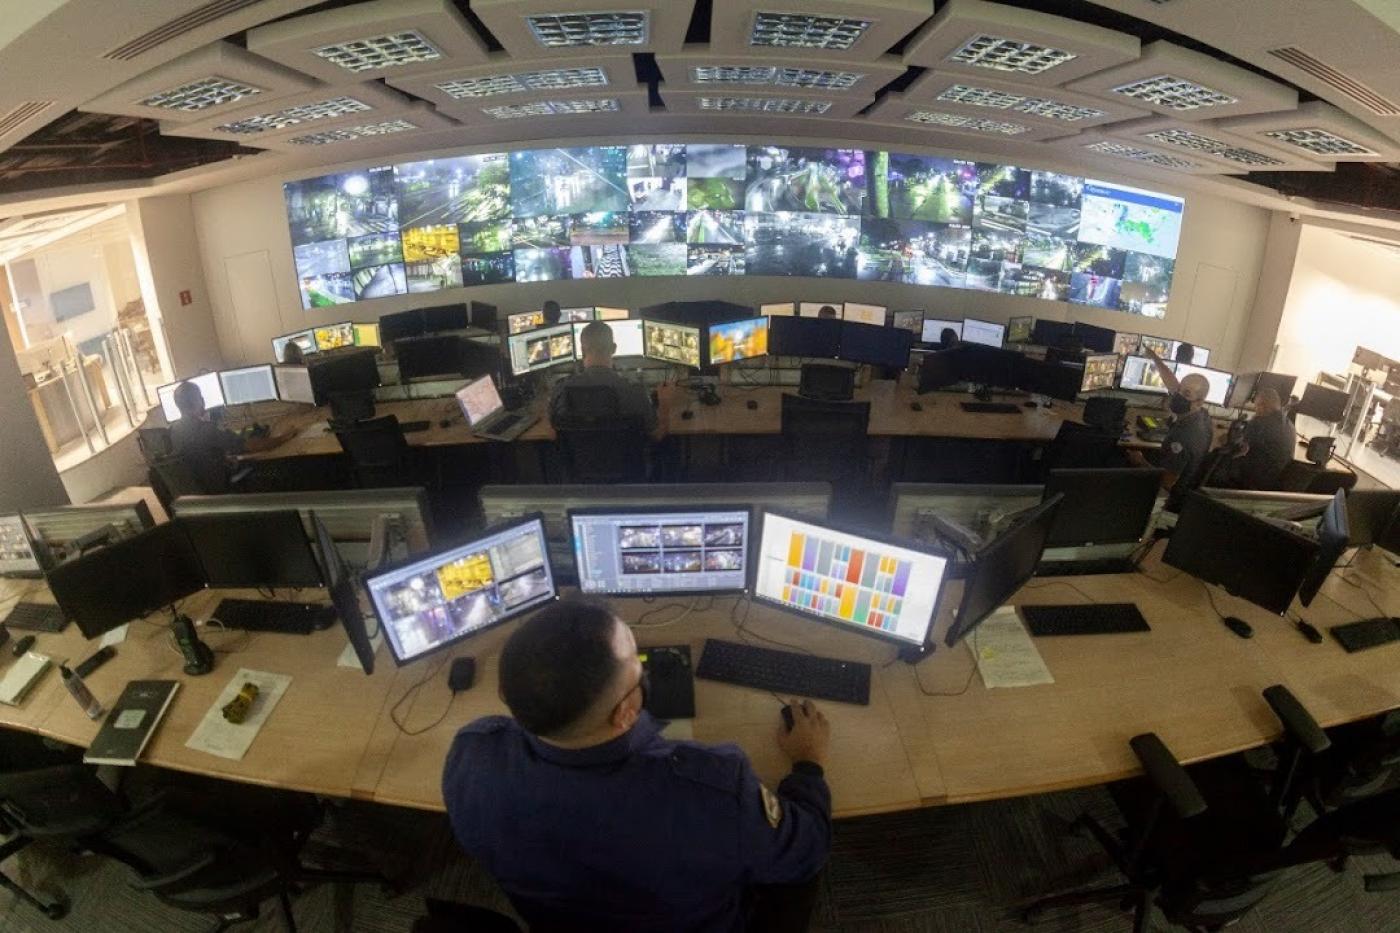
(1267, 402)
(1195, 387)
(596, 341)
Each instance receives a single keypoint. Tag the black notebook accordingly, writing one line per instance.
(131, 722)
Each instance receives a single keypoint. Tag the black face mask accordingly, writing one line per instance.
(1179, 404)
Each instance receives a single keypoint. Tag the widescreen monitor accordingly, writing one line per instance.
(827, 309)
(611, 314)
(1126, 344)
(525, 320)
(934, 328)
(1002, 567)
(431, 602)
(541, 348)
(671, 343)
(1051, 333)
(1098, 339)
(1322, 403)
(294, 384)
(340, 586)
(256, 549)
(807, 338)
(1101, 506)
(863, 584)
(304, 339)
(864, 314)
(1219, 380)
(1100, 372)
(873, 345)
(355, 371)
(335, 336)
(248, 385)
(1140, 375)
(444, 317)
(661, 551)
(425, 357)
(574, 315)
(738, 340)
(912, 321)
(1200, 356)
(482, 315)
(1244, 554)
(17, 554)
(1019, 329)
(210, 389)
(367, 335)
(1333, 538)
(984, 332)
(627, 337)
(1282, 383)
(785, 309)
(398, 326)
(1053, 380)
(1371, 513)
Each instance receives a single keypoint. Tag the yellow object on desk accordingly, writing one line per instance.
(236, 710)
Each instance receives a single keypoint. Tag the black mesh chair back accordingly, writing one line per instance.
(825, 440)
(597, 444)
(65, 800)
(175, 476)
(154, 444)
(1081, 447)
(377, 450)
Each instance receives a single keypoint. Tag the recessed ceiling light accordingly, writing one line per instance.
(980, 97)
(1055, 110)
(291, 116)
(1000, 54)
(803, 31)
(583, 29)
(347, 133)
(549, 108)
(1319, 141)
(1175, 93)
(1209, 144)
(201, 95)
(1124, 151)
(768, 74)
(965, 122)
(765, 104)
(809, 77)
(547, 80)
(375, 52)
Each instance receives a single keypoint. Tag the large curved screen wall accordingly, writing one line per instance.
(716, 209)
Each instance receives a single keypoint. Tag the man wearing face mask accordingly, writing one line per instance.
(591, 820)
(1189, 439)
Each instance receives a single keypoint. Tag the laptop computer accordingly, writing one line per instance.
(486, 414)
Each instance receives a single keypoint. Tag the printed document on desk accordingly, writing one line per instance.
(217, 736)
(1006, 655)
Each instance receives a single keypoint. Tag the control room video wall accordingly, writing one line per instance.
(719, 209)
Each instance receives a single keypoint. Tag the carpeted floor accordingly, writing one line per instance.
(955, 869)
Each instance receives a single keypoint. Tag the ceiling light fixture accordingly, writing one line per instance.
(565, 30)
(803, 31)
(977, 124)
(376, 52)
(546, 80)
(764, 104)
(291, 116)
(1124, 151)
(999, 54)
(201, 95)
(1175, 93)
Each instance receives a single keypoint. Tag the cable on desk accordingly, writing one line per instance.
(394, 710)
(971, 642)
(1050, 583)
(1364, 592)
(1211, 596)
(685, 611)
(741, 631)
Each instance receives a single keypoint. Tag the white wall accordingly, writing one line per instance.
(242, 236)
(168, 262)
(1344, 293)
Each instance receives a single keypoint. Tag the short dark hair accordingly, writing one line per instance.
(551, 312)
(597, 337)
(557, 664)
(1185, 353)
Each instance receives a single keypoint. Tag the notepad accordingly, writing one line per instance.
(217, 736)
(133, 719)
(1006, 654)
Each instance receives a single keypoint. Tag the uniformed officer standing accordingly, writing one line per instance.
(1188, 440)
(590, 820)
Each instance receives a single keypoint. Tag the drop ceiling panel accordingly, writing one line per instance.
(761, 103)
(989, 40)
(585, 28)
(1319, 131)
(506, 80)
(335, 135)
(550, 108)
(991, 97)
(854, 30)
(895, 109)
(1206, 140)
(371, 40)
(304, 109)
(734, 73)
(1096, 143)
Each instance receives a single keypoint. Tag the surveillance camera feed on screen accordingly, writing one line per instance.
(738, 340)
(541, 348)
(648, 553)
(436, 600)
(670, 209)
(673, 343)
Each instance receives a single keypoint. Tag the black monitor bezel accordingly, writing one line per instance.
(1152, 477)
(344, 596)
(666, 510)
(957, 631)
(279, 521)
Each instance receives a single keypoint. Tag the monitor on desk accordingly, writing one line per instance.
(859, 583)
(1100, 372)
(1126, 344)
(1019, 329)
(1101, 506)
(671, 343)
(1371, 513)
(479, 400)
(248, 385)
(525, 320)
(1200, 356)
(661, 551)
(1333, 538)
(1158, 345)
(611, 314)
(807, 338)
(1245, 555)
(294, 384)
(1219, 380)
(986, 366)
(575, 315)
(1098, 339)
(934, 328)
(782, 309)
(814, 309)
(887, 347)
(1322, 403)
(367, 335)
(738, 340)
(627, 337)
(305, 341)
(355, 371)
(541, 348)
(482, 315)
(425, 357)
(429, 603)
(1140, 375)
(1002, 567)
(59, 533)
(210, 389)
(444, 317)
(864, 314)
(912, 321)
(18, 557)
(335, 336)
(1052, 379)
(256, 549)
(340, 585)
(1051, 333)
(984, 332)
(397, 326)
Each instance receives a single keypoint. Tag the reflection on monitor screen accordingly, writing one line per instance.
(1219, 381)
(1139, 374)
(912, 321)
(440, 599)
(627, 337)
(649, 553)
(209, 389)
(527, 320)
(820, 309)
(984, 332)
(934, 328)
(248, 385)
(787, 309)
(672, 343)
(864, 314)
(1099, 372)
(738, 340)
(541, 348)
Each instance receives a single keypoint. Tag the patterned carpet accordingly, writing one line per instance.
(955, 869)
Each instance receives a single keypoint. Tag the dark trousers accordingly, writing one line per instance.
(782, 908)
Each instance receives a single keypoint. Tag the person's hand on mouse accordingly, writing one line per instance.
(810, 735)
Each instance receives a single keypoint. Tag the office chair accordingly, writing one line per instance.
(1081, 447)
(154, 443)
(825, 440)
(379, 454)
(596, 443)
(182, 475)
(1301, 476)
(449, 917)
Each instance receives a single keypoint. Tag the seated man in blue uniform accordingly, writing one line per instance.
(590, 820)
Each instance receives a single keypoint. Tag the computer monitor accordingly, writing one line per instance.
(354, 371)
(1333, 538)
(1019, 329)
(340, 585)
(525, 320)
(671, 343)
(1158, 345)
(479, 400)
(1370, 514)
(1126, 344)
(248, 385)
(367, 335)
(398, 326)
(807, 338)
(934, 328)
(575, 315)
(1002, 567)
(856, 582)
(912, 321)
(482, 315)
(1219, 381)
(984, 332)
(260, 549)
(814, 309)
(304, 339)
(876, 346)
(18, 557)
(986, 366)
(611, 314)
(1247, 556)
(1051, 333)
(1100, 372)
(1098, 339)
(126, 580)
(864, 314)
(294, 384)
(433, 601)
(541, 348)
(335, 336)
(1101, 506)
(423, 357)
(827, 383)
(209, 388)
(444, 317)
(937, 371)
(784, 309)
(61, 533)
(1052, 379)
(1322, 403)
(1281, 383)
(627, 337)
(1140, 375)
(1200, 356)
(661, 551)
(738, 340)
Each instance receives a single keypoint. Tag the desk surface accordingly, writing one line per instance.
(932, 734)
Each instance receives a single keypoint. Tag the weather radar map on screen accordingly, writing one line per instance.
(671, 209)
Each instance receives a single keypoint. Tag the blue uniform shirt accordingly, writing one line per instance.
(638, 834)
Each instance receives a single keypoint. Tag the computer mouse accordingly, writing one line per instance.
(687, 415)
(1310, 632)
(1239, 626)
(787, 717)
(915, 406)
(751, 405)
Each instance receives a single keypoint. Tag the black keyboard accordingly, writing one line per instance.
(411, 427)
(1091, 619)
(37, 617)
(785, 672)
(991, 408)
(1083, 568)
(1368, 633)
(262, 615)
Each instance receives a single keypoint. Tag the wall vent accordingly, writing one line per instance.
(1333, 78)
(194, 19)
(23, 113)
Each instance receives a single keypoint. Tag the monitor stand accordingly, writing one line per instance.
(912, 655)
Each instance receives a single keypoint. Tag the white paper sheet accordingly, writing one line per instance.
(1006, 655)
(217, 736)
(115, 637)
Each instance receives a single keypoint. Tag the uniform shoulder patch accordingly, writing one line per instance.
(772, 806)
(1177, 447)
